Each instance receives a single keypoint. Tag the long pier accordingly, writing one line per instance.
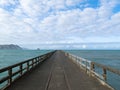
(57, 70)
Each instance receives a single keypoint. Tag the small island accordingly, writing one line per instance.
(10, 46)
(38, 48)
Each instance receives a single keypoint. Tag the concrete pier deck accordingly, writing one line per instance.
(57, 73)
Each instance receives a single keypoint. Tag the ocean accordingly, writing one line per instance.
(10, 57)
(107, 57)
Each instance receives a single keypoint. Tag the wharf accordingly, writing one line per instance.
(58, 72)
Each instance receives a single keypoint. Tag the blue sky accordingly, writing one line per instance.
(32, 23)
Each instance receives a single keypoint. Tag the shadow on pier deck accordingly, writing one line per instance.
(57, 73)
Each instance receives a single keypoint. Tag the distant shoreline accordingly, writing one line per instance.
(10, 47)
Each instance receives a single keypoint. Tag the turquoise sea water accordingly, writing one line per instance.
(10, 57)
(107, 57)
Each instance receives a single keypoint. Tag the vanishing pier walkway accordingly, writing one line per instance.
(57, 72)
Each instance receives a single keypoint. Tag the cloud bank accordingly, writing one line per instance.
(59, 21)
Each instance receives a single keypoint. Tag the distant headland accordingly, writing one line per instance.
(10, 46)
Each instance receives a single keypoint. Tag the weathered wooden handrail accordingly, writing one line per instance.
(83, 63)
(91, 67)
(24, 67)
(105, 69)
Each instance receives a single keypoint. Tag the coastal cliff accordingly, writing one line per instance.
(11, 46)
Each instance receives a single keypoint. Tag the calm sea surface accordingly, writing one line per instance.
(10, 57)
(107, 57)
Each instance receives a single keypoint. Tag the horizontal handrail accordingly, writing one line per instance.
(90, 67)
(12, 66)
(23, 67)
(83, 63)
(116, 71)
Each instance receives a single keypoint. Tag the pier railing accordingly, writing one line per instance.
(13, 72)
(93, 69)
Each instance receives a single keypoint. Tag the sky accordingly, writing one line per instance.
(35, 23)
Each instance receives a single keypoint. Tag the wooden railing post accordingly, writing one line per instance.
(92, 66)
(21, 69)
(32, 63)
(104, 74)
(28, 66)
(10, 76)
(86, 65)
(80, 63)
(37, 61)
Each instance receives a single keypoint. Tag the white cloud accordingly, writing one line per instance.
(52, 21)
(7, 2)
(116, 17)
(73, 2)
(35, 8)
(56, 4)
(31, 7)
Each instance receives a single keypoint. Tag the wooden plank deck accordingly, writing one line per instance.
(57, 73)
